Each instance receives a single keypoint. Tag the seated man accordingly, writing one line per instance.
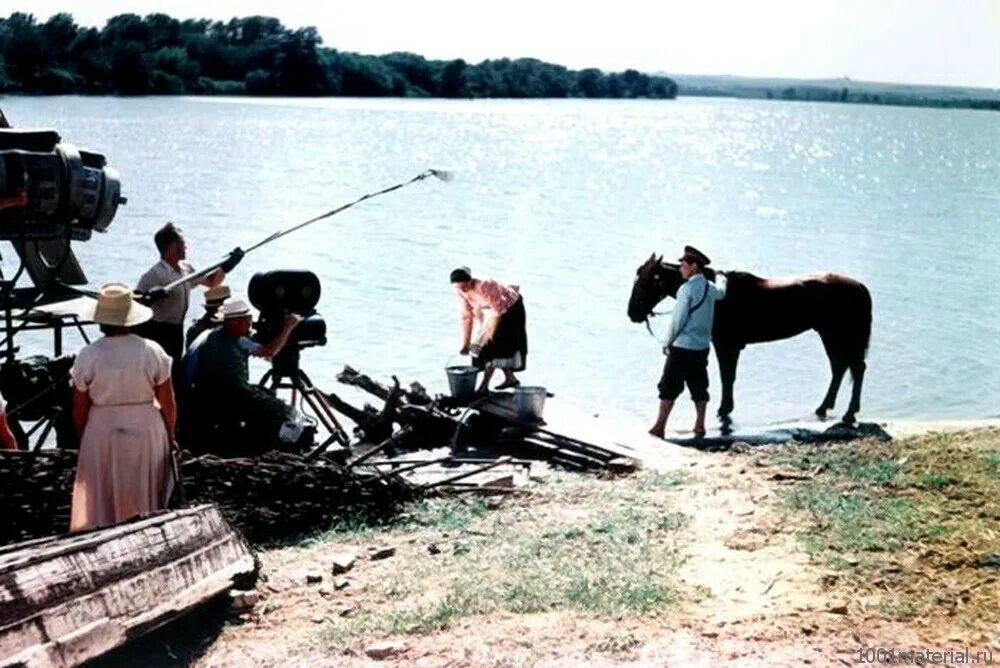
(214, 297)
(228, 415)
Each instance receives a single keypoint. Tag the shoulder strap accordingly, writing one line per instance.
(687, 317)
(704, 295)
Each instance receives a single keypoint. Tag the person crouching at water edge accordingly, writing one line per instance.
(687, 344)
(503, 339)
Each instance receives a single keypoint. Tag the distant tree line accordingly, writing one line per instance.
(257, 55)
(826, 94)
(861, 93)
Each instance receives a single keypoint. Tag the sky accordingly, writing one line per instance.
(950, 42)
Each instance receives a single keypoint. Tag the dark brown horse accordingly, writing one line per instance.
(756, 310)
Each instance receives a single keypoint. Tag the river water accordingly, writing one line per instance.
(565, 199)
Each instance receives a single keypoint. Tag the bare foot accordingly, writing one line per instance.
(699, 433)
(658, 433)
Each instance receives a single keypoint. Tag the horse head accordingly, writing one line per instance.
(654, 280)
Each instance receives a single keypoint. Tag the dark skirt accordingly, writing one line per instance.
(509, 347)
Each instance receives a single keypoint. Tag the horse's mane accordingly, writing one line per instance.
(732, 277)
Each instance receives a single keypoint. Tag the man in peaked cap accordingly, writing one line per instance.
(687, 344)
(695, 256)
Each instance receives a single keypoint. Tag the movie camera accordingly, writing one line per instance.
(276, 294)
(51, 194)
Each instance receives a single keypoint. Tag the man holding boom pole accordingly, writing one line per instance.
(170, 306)
(167, 285)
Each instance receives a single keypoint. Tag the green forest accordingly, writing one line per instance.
(257, 55)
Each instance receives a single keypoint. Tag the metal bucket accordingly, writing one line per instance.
(462, 381)
(529, 402)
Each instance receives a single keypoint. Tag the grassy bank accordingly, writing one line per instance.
(578, 545)
(775, 557)
(911, 528)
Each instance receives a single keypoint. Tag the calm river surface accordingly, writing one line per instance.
(565, 198)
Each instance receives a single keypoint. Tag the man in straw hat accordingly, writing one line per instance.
(213, 302)
(124, 411)
(217, 368)
(166, 327)
(687, 343)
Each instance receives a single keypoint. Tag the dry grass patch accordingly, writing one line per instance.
(575, 545)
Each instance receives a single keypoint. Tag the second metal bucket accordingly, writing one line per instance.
(529, 402)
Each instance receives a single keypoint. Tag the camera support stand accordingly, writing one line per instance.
(285, 374)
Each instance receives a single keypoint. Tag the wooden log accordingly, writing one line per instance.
(68, 599)
(351, 376)
(387, 444)
(414, 407)
(375, 426)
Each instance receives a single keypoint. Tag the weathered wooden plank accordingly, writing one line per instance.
(67, 599)
(559, 435)
(468, 474)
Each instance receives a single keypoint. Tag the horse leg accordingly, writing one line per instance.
(727, 356)
(858, 367)
(838, 367)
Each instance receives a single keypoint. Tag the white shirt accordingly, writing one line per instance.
(172, 308)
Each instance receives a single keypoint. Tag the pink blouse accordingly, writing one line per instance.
(487, 294)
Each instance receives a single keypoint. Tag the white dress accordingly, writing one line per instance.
(123, 468)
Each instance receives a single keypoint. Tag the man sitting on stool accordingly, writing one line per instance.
(230, 415)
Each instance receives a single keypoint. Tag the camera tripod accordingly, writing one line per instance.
(286, 374)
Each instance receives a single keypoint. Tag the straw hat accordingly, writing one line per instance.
(217, 295)
(232, 309)
(115, 306)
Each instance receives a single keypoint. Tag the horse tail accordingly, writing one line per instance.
(865, 329)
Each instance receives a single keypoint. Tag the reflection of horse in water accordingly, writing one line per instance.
(756, 310)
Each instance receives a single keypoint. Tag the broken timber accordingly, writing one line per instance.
(68, 599)
(429, 423)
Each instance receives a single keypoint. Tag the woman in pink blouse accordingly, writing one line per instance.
(503, 340)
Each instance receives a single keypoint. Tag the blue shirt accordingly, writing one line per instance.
(691, 328)
(226, 359)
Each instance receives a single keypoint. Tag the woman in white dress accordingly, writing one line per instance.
(123, 407)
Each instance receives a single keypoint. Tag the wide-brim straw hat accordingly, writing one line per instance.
(115, 307)
(232, 309)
